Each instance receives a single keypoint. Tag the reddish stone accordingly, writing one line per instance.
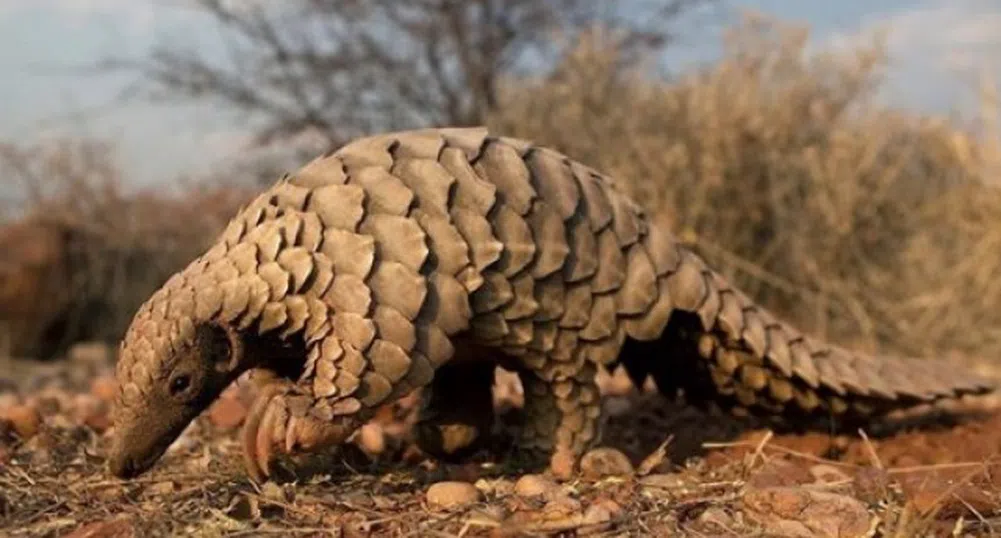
(104, 388)
(777, 472)
(25, 420)
(228, 413)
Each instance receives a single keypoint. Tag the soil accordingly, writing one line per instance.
(665, 470)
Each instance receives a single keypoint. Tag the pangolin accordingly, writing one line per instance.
(425, 258)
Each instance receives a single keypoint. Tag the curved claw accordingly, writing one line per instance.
(272, 429)
(291, 435)
(259, 429)
(271, 426)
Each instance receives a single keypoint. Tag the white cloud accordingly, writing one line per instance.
(953, 35)
(135, 15)
(115, 7)
(75, 6)
(937, 49)
(935, 32)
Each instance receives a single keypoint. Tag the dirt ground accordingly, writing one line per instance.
(666, 470)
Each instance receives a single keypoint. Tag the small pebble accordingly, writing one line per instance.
(104, 388)
(25, 420)
(371, 439)
(8, 399)
(601, 511)
(602, 462)
(162, 488)
(717, 518)
(533, 485)
(83, 405)
(453, 494)
(810, 512)
(99, 421)
(92, 412)
(227, 413)
(562, 506)
(498, 486)
(823, 472)
(778, 473)
(91, 353)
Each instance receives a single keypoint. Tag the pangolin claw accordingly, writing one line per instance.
(267, 425)
(272, 429)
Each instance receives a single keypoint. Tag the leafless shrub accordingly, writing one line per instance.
(855, 221)
(861, 223)
(320, 72)
(82, 252)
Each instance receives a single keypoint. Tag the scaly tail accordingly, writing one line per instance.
(720, 347)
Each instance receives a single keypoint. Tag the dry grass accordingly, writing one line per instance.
(84, 251)
(863, 224)
(694, 475)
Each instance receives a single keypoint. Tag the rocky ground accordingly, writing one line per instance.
(666, 470)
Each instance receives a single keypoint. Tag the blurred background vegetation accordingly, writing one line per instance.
(873, 226)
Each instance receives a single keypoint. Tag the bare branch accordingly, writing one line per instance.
(345, 68)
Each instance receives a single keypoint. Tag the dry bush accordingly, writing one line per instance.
(867, 225)
(80, 252)
(857, 222)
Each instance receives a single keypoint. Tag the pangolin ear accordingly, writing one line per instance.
(222, 345)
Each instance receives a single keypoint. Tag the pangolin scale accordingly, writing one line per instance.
(422, 259)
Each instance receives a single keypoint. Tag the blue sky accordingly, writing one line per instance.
(933, 43)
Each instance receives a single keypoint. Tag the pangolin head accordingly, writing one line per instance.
(168, 372)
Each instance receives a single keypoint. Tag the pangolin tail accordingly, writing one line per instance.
(721, 348)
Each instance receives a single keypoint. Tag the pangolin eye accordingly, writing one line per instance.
(180, 384)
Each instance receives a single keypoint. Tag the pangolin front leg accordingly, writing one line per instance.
(320, 409)
(279, 423)
(267, 425)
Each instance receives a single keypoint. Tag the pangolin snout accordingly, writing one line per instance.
(135, 449)
(124, 462)
(123, 467)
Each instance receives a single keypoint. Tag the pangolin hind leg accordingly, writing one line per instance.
(456, 413)
(677, 363)
(711, 372)
(562, 418)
